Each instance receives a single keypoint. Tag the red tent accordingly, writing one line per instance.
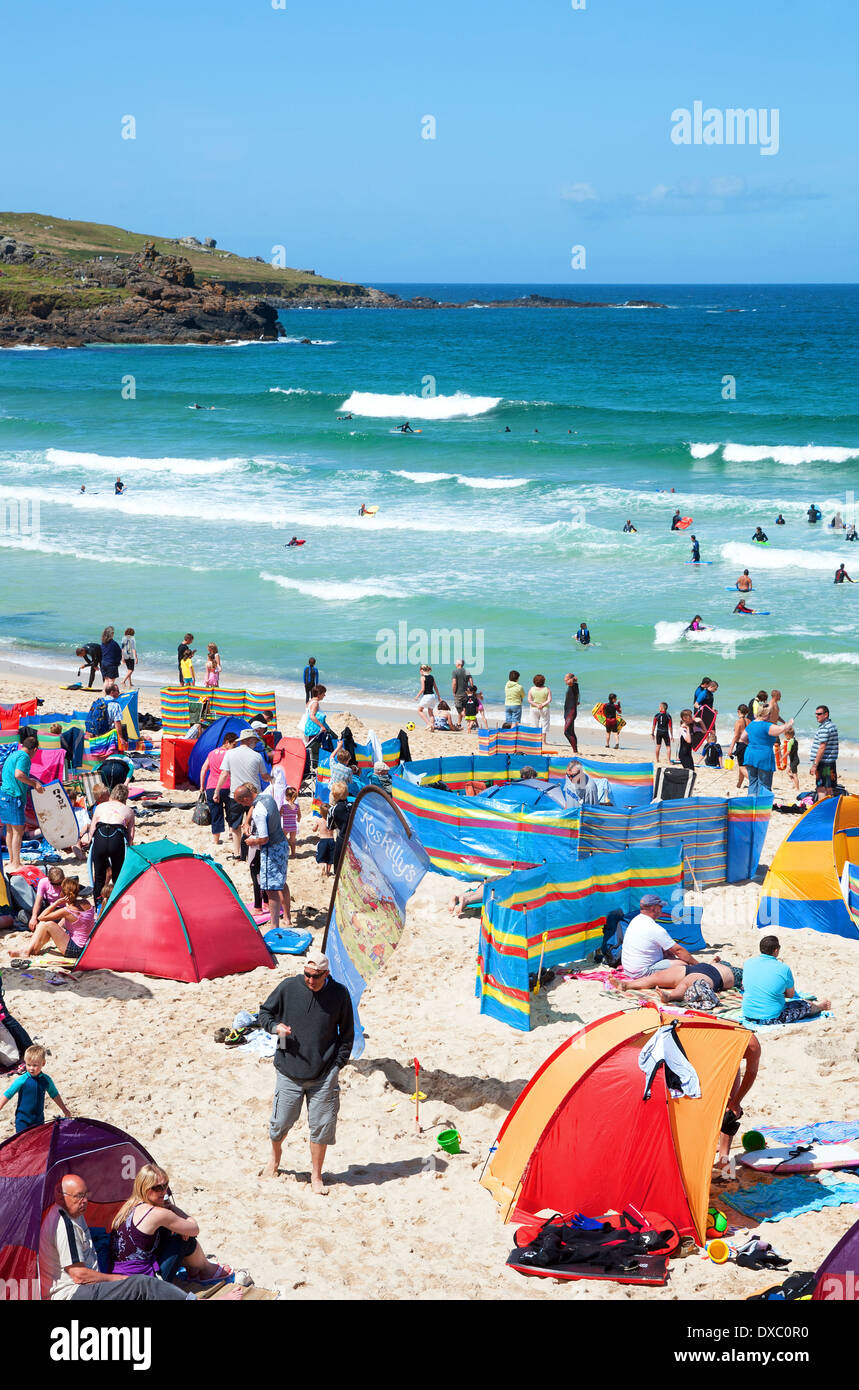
(31, 1164)
(582, 1136)
(177, 915)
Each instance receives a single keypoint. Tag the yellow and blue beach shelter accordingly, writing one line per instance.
(803, 886)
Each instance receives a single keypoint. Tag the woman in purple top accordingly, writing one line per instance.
(152, 1236)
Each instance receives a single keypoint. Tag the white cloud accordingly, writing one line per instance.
(579, 193)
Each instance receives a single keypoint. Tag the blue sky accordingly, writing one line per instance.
(301, 127)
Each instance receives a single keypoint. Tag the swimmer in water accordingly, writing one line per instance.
(83, 488)
(760, 536)
(744, 583)
(780, 521)
(507, 429)
(344, 417)
(583, 636)
(743, 608)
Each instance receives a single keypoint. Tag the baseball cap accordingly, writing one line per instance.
(651, 900)
(317, 959)
(259, 725)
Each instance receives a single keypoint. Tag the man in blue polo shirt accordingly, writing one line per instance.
(769, 994)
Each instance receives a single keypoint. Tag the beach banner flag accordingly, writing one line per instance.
(557, 916)
(722, 837)
(515, 740)
(851, 892)
(629, 784)
(465, 837)
(239, 704)
(381, 865)
(364, 758)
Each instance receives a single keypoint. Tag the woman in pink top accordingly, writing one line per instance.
(224, 806)
(68, 924)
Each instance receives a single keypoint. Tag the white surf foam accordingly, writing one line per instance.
(331, 591)
(288, 391)
(671, 634)
(107, 463)
(702, 451)
(380, 406)
(764, 557)
(422, 477)
(315, 342)
(491, 484)
(832, 658)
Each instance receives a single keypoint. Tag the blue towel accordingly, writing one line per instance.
(791, 1196)
(824, 1132)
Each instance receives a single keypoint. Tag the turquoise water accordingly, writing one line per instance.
(507, 538)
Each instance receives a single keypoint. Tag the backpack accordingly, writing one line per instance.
(98, 719)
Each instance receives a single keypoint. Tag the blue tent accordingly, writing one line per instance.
(514, 796)
(211, 739)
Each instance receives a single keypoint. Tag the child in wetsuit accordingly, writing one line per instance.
(712, 751)
(662, 731)
(471, 708)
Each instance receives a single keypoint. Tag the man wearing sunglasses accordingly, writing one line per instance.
(312, 1017)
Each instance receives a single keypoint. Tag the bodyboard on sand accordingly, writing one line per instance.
(56, 816)
(811, 1160)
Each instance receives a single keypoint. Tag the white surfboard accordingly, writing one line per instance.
(56, 816)
(819, 1156)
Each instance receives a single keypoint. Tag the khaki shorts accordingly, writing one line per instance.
(323, 1105)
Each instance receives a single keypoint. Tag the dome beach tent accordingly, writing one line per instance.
(174, 914)
(31, 1164)
(581, 1136)
(802, 888)
(838, 1276)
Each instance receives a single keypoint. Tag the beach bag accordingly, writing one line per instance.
(201, 815)
(97, 720)
(9, 1055)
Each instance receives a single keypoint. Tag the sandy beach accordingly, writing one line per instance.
(402, 1220)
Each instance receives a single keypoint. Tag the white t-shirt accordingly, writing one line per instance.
(55, 1255)
(644, 945)
(244, 765)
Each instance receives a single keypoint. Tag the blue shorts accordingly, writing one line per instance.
(12, 810)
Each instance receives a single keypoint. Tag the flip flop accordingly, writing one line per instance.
(219, 1277)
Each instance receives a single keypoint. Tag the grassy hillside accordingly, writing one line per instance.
(79, 241)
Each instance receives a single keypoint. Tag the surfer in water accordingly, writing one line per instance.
(83, 489)
(760, 536)
(744, 583)
(629, 527)
(344, 417)
(841, 575)
(814, 514)
(583, 635)
(363, 511)
(674, 520)
(743, 608)
(780, 521)
(119, 487)
(697, 624)
(696, 551)
(406, 428)
(294, 541)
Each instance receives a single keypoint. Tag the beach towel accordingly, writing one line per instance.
(824, 1132)
(791, 1196)
(772, 1029)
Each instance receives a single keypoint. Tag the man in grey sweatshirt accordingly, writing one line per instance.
(312, 1017)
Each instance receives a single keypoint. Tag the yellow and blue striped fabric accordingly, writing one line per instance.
(722, 837)
(803, 886)
(364, 760)
(241, 704)
(568, 906)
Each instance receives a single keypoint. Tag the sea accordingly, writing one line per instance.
(537, 433)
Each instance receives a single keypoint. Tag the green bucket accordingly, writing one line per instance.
(753, 1140)
(449, 1141)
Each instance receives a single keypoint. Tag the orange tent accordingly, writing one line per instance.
(581, 1136)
